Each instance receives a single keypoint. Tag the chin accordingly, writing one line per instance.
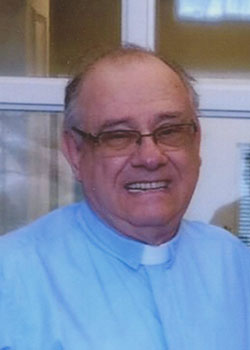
(149, 220)
(156, 214)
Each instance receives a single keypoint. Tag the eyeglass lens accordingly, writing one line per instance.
(169, 137)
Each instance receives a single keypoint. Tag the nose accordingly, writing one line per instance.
(149, 155)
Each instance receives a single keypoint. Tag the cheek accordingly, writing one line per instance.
(187, 165)
(101, 173)
(193, 170)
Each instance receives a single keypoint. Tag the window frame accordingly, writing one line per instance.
(224, 98)
(218, 97)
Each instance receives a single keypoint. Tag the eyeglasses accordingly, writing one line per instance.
(169, 137)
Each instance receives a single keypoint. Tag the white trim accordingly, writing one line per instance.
(43, 94)
(218, 97)
(219, 113)
(138, 22)
(224, 94)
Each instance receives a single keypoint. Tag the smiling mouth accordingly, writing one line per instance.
(147, 186)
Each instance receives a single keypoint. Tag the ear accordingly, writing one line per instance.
(72, 153)
(199, 142)
(200, 161)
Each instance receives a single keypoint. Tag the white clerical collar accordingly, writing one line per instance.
(153, 255)
(131, 252)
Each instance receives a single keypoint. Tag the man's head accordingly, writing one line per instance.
(140, 186)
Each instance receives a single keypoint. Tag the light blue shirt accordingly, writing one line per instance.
(70, 282)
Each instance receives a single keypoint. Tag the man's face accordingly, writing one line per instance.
(137, 96)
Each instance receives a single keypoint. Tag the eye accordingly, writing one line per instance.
(168, 130)
(117, 139)
(172, 136)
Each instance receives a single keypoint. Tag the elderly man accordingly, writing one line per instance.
(122, 270)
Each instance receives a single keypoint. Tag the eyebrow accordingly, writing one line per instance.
(127, 121)
(112, 123)
(167, 116)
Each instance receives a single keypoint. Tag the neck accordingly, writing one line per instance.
(148, 234)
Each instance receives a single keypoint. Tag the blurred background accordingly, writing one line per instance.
(44, 42)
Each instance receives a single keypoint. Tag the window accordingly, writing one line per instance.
(38, 39)
(34, 176)
(53, 37)
(244, 205)
(37, 49)
(205, 47)
(213, 10)
(222, 194)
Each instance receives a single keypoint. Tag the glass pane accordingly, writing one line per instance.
(210, 37)
(34, 176)
(222, 195)
(50, 37)
(244, 205)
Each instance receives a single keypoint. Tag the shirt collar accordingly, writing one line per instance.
(130, 251)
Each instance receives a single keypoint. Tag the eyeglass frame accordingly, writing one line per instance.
(96, 138)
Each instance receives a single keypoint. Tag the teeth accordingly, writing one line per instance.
(144, 186)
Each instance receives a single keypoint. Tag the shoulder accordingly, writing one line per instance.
(207, 231)
(42, 233)
(31, 254)
(213, 239)
(47, 222)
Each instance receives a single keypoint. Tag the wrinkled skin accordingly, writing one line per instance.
(141, 95)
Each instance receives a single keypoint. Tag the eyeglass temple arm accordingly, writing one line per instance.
(84, 134)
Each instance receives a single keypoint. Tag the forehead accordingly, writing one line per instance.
(136, 90)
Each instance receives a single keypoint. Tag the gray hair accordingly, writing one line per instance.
(124, 53)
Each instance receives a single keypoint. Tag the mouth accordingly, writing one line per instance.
(147, 186)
